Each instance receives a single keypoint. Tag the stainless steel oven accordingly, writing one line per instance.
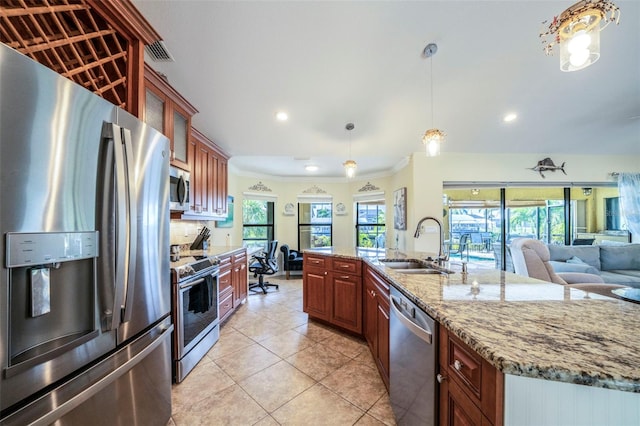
(195, 312)
(179, 187)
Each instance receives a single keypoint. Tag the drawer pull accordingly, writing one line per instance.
(457, 364)
(315, 261)
(440, 378)
(345, 277)
(344, 266)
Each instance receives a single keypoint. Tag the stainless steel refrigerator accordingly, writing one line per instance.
(85, 326)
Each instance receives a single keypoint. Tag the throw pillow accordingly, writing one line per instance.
(576, 259)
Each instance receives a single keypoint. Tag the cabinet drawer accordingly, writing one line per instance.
(239, 257)
(224, 261)
(465, 364)
(224, 280)
(377, 283)
(481, 382)
(315, 261)
(346, 265)
(226, 303)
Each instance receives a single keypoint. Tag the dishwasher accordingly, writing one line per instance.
(413, 348)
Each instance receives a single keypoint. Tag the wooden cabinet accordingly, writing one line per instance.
(232, 282)
(97, 44)
(167, 111)
(316, 287)
(239, 278)
(208, 179)
(471, 389)
(376, 322)
(332, 290)
(225, 287)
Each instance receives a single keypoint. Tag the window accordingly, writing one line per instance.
(370, 225)
(314, 225)
(257, 223)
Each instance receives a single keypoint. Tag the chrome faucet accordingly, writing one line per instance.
(441, 256)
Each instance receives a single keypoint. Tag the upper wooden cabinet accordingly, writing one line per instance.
(167, 111)
(208, 165)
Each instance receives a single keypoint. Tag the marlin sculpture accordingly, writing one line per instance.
(547, 165)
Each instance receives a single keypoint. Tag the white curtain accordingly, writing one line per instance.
(629, 189)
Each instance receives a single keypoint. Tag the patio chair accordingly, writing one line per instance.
(463, 246)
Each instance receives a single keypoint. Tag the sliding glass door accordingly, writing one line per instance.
(480, 223)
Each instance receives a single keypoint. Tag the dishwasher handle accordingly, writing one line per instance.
(423, 333)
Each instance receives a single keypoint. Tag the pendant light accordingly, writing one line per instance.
(432, 138)
(577, 32)
(350, 166)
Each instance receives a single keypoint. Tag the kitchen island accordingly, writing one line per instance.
(547, 339)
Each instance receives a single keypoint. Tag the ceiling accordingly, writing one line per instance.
(327, 63)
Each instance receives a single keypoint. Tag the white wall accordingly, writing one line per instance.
(423, 178)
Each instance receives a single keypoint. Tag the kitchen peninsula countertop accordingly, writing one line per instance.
(524, 326)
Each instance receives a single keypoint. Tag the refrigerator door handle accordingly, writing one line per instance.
(131, 224)
(121, 230)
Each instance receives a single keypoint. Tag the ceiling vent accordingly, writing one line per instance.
(158, 52)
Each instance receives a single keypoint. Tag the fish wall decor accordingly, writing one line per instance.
(547, 165)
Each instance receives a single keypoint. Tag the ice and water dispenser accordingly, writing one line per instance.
(52, 294)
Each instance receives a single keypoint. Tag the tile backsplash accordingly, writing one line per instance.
(185, 231)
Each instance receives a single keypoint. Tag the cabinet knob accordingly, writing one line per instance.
(373, 293)
(325, 272)
(457, 364)
(440, 378)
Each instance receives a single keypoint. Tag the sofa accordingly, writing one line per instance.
(615, 264)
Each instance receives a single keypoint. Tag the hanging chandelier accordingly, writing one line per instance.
(350, 166)
(577, 32)
(432, 138)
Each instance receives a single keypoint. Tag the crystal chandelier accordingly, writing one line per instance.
(577, 32)
(350, 166)
(432, 138)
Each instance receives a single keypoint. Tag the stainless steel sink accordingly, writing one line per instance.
(411, 266)
(421, 271)
(403, 264)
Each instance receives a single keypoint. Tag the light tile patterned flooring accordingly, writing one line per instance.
(272, 366)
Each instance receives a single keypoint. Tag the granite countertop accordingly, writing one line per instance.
(524, 326)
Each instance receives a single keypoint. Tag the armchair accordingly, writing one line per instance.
(265, 264)
(291, 259)
(531, 259)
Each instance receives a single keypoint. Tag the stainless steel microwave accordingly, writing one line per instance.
(178, 189)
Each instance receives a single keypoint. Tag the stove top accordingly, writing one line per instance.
(191, 263)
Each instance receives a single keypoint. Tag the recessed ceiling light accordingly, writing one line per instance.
(311, 168)
(282, 116)
(510, 117)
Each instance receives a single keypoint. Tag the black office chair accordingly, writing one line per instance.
(291, 259)
(265, 264)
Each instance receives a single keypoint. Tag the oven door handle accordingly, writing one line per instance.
(191, 283)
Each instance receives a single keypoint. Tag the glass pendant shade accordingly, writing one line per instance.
(577, 32)
(432, 140)
(350, 167)
(580, 41)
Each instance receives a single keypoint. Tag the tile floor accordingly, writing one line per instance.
(273, 366)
